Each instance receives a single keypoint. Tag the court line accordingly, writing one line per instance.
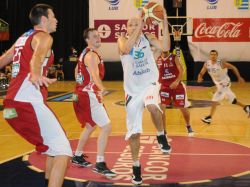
(191, 154)
(17, 156)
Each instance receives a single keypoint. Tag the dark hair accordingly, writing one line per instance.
(214, 51)
(37, 12)
(86, 32)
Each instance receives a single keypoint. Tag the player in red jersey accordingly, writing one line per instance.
(170, 73)
(25, 107)
(88, 104)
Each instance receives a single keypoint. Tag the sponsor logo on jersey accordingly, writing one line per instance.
(179, 97)
(9, 113)
(164, 94)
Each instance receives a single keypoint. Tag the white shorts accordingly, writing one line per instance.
(38, 125)
(135, 106)
(89, 109)
(223, 92)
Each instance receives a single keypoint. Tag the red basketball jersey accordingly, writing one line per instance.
(168, 71)
(21, 89)
(84, 80)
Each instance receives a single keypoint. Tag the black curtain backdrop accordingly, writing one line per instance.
(73, 18)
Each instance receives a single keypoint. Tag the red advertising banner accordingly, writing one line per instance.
(111, 29)
(221, 30)
(4, 36)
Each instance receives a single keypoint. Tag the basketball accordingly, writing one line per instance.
(152, 13)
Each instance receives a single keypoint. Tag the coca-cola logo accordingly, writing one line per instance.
(227, 30)
(221, 29)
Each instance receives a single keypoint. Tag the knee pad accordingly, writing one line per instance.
(234, 101)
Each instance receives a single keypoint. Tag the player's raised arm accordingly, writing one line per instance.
(7, 57)
(225, 64)
(166, 43)
(134, 30)
(202, 72)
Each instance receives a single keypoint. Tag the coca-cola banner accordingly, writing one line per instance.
(223, 25)
(109, 17)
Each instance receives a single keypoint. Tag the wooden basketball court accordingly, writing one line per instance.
(230, 123)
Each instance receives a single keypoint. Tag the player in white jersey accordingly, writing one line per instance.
(141, 88)
(217, 70)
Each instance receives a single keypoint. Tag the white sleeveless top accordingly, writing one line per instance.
(218, 75)
(139, 67)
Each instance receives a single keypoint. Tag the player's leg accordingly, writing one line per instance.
(134, 109)
(181, 101)
(59, 147)
(151, 101)
(83, 113)
(100, 117)
(79, 157)
(58, 169)
(232, 98)
(218, 96)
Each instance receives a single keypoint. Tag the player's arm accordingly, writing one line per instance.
(76, 71)
(126, 44)
(91, 60)
(157, 44)
(180, 69)
(41, 44)
(202, 72)
(234, 69)
(166, 37)
(7, 57)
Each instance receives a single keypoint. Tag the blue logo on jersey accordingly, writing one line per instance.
(138, 54)
(212, 4)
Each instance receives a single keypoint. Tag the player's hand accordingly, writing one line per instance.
(241, 80)
(38, 80)
(174, 85)
(199, 80)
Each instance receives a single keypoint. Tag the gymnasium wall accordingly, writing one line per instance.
(73, 17)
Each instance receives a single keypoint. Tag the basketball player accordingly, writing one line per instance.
(88, 106)
(217, 70)
(141, 88)
(25, 107)
(171, 72)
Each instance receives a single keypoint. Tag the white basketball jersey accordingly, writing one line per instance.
(139, 67)
(218, 74)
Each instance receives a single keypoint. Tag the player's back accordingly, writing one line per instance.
(84, 80)
(21, 89)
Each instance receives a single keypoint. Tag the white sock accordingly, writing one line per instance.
(160, 133)
(136, 163)
(78, 153)
(99, 158)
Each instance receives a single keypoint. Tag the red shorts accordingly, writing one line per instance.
(36, 123)
(176, 97)
(89, 109)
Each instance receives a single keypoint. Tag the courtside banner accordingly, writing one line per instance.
(223, 25)
(109, 17)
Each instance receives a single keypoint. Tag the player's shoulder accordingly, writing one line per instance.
(43, 36)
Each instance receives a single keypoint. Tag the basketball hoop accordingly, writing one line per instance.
(177, 35)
